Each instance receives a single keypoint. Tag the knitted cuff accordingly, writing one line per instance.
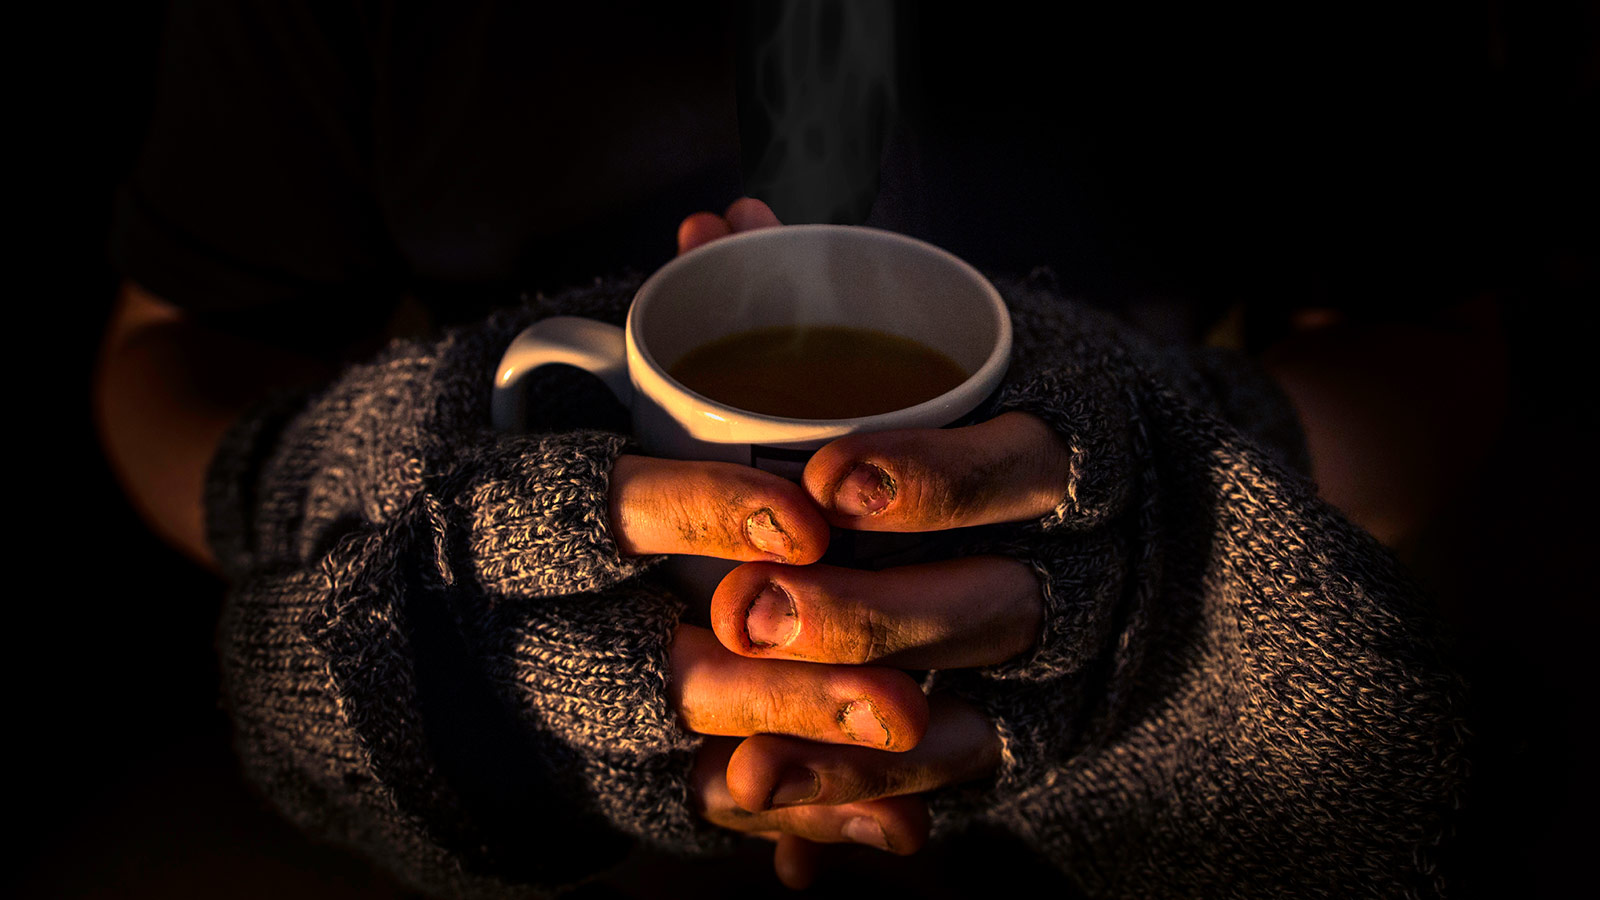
(1038, 727)
(1035, 701)
(346, 748)
(534, 511)
(1086, 405)
(590, 669)
(589, 672)
(648, 798)
(279, 690)
(1081, 578)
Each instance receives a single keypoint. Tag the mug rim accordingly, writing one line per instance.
(717, 418)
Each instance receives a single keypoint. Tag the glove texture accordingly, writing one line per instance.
(432, 646)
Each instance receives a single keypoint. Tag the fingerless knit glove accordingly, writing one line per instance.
(431, 644)
(1235, 692)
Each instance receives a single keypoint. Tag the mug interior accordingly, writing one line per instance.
(818, 275)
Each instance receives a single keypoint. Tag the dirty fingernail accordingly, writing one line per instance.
(865, 830)
(865, 491)
(771, 620)
(765, 535)
(860, 721)
(795, 786)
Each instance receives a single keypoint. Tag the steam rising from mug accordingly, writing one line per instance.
(816, 96)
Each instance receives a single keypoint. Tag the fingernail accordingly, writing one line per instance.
(765, 535)
(794, 786)
(865, 491)
(860, 721)
(865, 830)
(771, 620)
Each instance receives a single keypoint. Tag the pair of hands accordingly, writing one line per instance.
(817, 733)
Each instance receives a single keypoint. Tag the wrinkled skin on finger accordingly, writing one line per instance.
(959, 613)
(896, 824)
(720, 693)
(1012, 468)
(768, 772)
(717, 509)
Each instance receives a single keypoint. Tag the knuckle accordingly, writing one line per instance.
(874, 635)
(696, 520)
(970, 490)
(846, 637)
(770, 708)
(693, 528)
(937, 497)
(869, 783)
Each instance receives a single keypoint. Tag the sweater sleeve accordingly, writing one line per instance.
(1235, 692)
(432, 650)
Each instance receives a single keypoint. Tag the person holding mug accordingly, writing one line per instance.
(1143, 644)
(1156, 651)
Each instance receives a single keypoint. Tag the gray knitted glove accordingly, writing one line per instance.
(1234, 692)
(431, 639)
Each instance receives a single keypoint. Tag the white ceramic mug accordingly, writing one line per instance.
(789, 275)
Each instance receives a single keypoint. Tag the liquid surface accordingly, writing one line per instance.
(818, 372)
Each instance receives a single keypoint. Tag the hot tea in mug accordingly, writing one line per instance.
(817, 372)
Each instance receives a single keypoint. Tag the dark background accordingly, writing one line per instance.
(1383, 158)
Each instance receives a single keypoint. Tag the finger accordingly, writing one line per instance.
(1011, 468)
(769, 772)
(748, 214)
(701, 228)
(718, 693)
(795, 861)
(896, 824)
(711, 509)
(974, 611)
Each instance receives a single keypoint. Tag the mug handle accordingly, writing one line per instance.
(596, 347)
